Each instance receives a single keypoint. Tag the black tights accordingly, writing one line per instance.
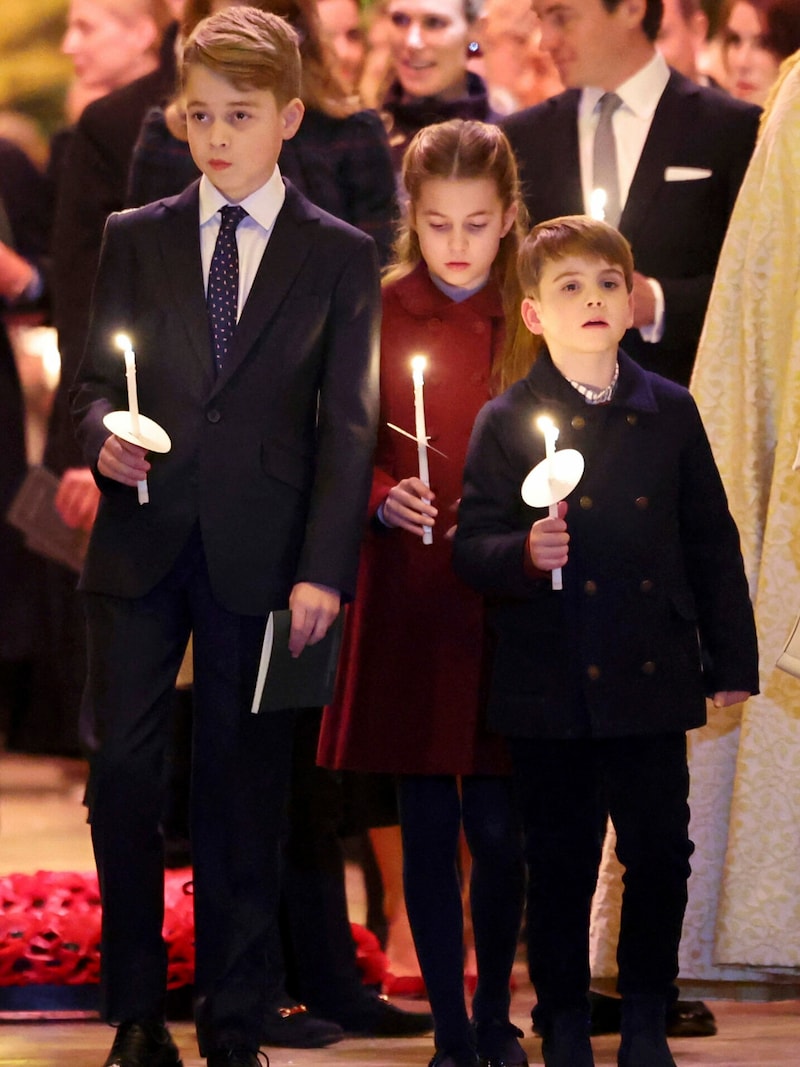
(432, 811)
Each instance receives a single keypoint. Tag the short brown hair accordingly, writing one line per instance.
(571, 235)
(252, 49)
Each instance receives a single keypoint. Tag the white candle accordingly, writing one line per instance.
(124, 342)
(550, 432)
(418, 364)
(597, 204)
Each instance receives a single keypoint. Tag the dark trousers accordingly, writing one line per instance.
(321, 957)
(240, 773)
(565, 789)
(432, 811)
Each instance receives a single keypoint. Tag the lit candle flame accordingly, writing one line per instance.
(597, 204)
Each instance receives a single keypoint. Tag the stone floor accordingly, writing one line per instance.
(42, 826)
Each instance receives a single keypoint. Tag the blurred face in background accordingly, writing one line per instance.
(428, 40)
(341, 26)
(110, 43)
(750, 64)
(680, 38)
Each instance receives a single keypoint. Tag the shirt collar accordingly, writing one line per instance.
(640, 93)
(263, 205)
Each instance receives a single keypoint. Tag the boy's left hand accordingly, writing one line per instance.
(727, 697)
(313, 608)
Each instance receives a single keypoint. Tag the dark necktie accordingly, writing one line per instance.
(604, 174)
(223, 284)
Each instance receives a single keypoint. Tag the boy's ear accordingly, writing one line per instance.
(291, 115)
(530, 316)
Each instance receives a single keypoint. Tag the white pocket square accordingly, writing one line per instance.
(686, 174)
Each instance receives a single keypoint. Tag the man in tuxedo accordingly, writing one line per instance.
(254, 318)
(677, 152)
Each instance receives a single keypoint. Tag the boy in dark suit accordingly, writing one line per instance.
(256, 348)
(596, 685)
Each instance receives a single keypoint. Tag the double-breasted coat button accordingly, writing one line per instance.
(590, 587)
(592, 672)
(631, 418)
(646, 586)
(648, 667)
(578, 422)
(642, 502)
(586, 503)
(213, 415)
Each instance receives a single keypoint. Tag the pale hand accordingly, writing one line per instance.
(313, 608)
(122, 461)
(548, 541)
(408, 506)
(726, 698)
(77, 498)
(16, 274)
(644, 302)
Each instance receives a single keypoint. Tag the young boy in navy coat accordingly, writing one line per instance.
(259, 505)
(596, 684)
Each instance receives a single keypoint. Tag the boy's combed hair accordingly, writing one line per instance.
(464, 149)
(571, 235)
(319, 88)
(250, 48)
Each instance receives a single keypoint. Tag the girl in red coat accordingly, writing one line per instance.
(410, 698)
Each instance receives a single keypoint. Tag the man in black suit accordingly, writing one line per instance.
(259, 505)
(681, 154)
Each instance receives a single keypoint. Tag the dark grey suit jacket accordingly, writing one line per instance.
(273, 457)
(676, 228)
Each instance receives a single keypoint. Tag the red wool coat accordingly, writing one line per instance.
(410, 694)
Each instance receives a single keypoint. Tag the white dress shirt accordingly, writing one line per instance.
(631, 123)
(252, 233)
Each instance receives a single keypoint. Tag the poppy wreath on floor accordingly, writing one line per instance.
(50, 931)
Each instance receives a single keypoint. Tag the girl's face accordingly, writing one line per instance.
(428, 41)
(459, 223)
(751, 66)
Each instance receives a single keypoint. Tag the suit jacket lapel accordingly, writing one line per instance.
(180, 247)
(568, 176)
(667, 132)
(288, 247)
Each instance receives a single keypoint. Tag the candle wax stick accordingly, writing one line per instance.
(555, 575)
(422, 437)
(142, 491)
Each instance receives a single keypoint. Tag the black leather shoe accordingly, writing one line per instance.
(498, 1045)
(373, 1016)
(690, 1018)
(448, 1059)
(236, 1056)
(143, 1044)
(566, 1040)
(293, 1026)
(685, 1018)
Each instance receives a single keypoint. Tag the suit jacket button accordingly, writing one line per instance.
(213, 415)
(631, 418)
(646, 586)
(590, 587)
(577, 422)
(593, 672)
(642, 502)
(586, 503)
(648, 667)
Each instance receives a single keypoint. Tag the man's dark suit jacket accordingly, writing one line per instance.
(272, 457)
(676, 228)
(91, 182)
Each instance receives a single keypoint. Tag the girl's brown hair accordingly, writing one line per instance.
(463, 149)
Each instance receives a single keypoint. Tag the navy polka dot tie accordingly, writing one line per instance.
(223, 284)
